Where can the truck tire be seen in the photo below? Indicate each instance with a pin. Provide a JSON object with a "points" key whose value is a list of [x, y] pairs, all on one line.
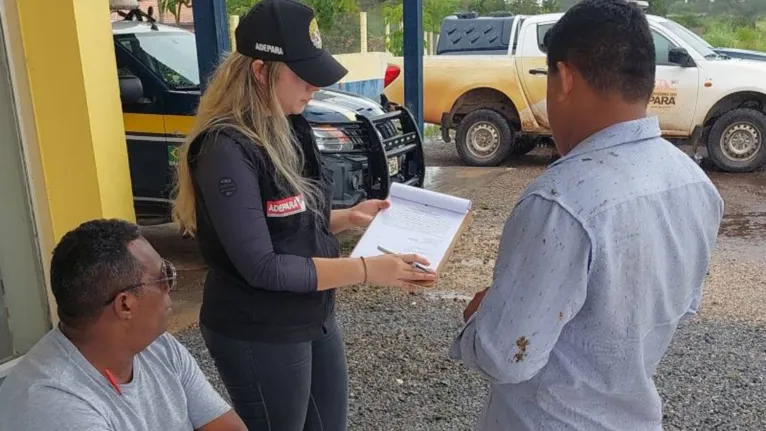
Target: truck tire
{"points": [[737, 141], [484, 138]]}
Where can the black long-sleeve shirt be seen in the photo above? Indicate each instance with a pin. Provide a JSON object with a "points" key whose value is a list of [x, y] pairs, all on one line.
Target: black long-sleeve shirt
{"points": [[259, 240]]}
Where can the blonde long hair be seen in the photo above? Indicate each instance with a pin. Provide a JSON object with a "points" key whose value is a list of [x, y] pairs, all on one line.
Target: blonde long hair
{"points": [[236, 99]]}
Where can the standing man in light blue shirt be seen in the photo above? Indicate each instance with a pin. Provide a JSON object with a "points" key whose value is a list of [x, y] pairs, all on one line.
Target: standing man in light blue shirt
{"points": [[603, 254]]}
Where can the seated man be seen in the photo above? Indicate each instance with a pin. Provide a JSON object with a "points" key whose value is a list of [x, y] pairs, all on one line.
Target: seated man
{"points": [[110, 365]]}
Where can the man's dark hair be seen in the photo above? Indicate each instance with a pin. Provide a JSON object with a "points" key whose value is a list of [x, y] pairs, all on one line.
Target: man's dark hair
{"points": [[609, 42], [89, 265]]}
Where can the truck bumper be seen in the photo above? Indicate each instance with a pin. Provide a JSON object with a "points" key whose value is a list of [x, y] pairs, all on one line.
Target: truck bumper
{"points": [[395, 155]]}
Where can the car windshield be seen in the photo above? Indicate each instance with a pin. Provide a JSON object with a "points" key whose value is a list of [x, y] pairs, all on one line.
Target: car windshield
{"points": [[172, 55], [696, 42]]}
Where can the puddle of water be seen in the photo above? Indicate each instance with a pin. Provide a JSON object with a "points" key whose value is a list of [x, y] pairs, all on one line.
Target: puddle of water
{"points": [[747, 225], [756, 180], [460, 180], [433, 173]]}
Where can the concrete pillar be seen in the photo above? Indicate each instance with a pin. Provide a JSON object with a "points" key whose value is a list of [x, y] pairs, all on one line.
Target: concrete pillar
{"points": [[413, 59], [431, 38], [233, 23], [72, 80], [363, 31], [211, 24], [388, 36]]}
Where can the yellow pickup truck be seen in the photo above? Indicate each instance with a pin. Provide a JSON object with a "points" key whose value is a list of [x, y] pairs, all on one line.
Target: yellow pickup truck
{"points": [[495, 102]]}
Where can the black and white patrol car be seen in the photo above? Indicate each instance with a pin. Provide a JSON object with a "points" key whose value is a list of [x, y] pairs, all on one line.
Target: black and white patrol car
{"points": [[367, 145]]}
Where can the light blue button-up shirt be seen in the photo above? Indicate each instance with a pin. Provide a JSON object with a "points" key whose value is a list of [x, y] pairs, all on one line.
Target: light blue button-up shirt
{"points": [[600, 259]]}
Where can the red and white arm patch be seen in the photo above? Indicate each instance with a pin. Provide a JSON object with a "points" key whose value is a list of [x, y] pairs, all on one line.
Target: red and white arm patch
{"points": [[286, 207]]}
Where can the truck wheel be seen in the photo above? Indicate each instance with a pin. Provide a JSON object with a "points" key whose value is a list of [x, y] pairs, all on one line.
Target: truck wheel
{"points": [[737, 142], [484, 138], [525, 144]]}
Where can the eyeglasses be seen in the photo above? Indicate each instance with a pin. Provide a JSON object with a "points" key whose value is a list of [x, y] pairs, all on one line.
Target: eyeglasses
{"points": [[169, 279]]}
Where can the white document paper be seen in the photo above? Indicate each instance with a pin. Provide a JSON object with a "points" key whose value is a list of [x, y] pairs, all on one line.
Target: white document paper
{"points": [[418, 221]]}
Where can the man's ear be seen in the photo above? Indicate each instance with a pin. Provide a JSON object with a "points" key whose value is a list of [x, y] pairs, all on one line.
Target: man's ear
{"points": [[259, 71], [564, 80], [125, 305]]}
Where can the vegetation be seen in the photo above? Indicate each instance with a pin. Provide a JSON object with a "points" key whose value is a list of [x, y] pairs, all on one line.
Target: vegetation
{"points": [[338, 21], [174, 7], [723, 23], [727, 31]]}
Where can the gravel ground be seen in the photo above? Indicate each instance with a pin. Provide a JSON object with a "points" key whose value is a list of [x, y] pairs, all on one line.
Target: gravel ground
{"points": [[712, 377]]}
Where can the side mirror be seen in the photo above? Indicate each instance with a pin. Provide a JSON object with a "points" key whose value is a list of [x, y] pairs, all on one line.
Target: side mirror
{"points": [[681, 57], [131, 89]]}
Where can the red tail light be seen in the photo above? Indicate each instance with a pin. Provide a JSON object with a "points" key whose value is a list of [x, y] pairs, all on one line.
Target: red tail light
{"points": [[392, 72]]}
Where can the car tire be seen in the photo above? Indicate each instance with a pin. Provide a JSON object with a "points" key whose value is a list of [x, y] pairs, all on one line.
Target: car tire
{"points": [[484, 138], [737, 141], [525, 144]]}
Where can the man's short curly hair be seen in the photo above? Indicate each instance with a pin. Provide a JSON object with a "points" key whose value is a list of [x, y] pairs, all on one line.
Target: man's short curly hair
{"points": [[89, 265], [610, 43]]}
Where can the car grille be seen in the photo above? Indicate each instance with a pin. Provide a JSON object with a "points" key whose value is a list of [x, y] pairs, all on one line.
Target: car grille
{"points": [[358, 133]]}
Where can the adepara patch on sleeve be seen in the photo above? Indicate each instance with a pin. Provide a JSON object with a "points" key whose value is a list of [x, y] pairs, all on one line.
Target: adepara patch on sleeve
{"points": [[227, 187], [285, 207]]}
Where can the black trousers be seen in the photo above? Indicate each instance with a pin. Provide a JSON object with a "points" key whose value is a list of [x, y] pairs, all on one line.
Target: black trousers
{"points": [[284, 387]]}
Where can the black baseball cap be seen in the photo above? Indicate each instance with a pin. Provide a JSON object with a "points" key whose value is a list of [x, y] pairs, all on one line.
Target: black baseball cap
{"points": [[287, 31]]}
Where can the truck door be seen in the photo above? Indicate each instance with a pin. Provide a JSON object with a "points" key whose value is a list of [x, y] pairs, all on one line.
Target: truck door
{"points": [[674, 99], [533, 72], [147, 138]]}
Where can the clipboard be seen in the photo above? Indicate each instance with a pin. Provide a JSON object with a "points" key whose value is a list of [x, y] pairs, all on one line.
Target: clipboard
{"points": [[418, 221]]}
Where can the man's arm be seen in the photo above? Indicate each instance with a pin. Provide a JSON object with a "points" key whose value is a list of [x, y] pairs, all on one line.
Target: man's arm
{"points": [[540, 284], [207, 409], [229, 421]]}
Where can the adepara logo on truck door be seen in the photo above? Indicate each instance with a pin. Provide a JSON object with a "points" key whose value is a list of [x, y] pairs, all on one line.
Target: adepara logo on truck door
{"points": [[665, 94]]}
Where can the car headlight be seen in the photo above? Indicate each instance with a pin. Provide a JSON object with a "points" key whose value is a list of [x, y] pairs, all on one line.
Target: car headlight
{"points": [[332, 139]]}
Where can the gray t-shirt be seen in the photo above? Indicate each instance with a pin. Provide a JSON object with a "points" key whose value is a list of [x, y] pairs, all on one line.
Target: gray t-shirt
{"points": [[55, 388]]}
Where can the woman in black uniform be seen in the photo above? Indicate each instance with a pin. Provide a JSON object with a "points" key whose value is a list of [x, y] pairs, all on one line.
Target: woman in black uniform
{"points": [[253, 191]]}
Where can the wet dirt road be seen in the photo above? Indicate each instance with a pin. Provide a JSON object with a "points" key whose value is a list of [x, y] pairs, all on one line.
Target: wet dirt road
{"points": [[742, 240], [739, 258]]}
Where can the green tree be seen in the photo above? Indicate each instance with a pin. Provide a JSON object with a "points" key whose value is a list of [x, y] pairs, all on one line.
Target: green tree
{"points": [[338, 20], [657, 7], [525, 7], [239, 7], [434, 12], [174, 7], [550, 6], [326, 10]]}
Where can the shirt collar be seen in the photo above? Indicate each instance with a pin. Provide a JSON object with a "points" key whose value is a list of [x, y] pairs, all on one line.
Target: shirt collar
{"points": [[616, 134]]}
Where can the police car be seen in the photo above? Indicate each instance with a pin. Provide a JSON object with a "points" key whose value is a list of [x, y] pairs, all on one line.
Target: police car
{"points": [[366, 145]]}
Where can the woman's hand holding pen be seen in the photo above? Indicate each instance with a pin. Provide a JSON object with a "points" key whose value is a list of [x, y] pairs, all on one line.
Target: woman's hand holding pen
{"points": [[396, 270]]}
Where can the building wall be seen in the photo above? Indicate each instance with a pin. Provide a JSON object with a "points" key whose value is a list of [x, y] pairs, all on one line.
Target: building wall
{"points": [[70, 127], [366, 72]]}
